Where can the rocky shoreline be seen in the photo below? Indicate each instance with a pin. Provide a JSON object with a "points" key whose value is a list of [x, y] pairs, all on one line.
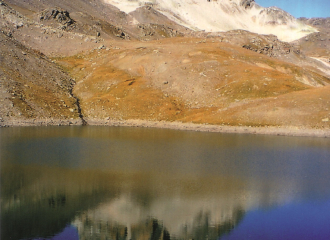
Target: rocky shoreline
{"points": [[39, 122], [269, 130]]}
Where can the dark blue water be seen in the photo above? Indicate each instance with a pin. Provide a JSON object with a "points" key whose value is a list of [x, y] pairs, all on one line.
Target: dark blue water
{"points": [[68, 233], [138, 183], [303, 220]]}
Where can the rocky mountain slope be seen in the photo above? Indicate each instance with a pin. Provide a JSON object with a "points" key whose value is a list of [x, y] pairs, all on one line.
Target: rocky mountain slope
{"points": [[32, 87], [224, 15], [317, 45], [151, 61]]}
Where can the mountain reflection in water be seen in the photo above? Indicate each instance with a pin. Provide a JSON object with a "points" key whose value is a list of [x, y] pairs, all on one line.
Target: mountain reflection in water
{"points": [[133, 183]]}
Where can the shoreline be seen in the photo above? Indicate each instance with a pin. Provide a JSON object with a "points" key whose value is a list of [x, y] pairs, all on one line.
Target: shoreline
{"points": [[270, 130]]}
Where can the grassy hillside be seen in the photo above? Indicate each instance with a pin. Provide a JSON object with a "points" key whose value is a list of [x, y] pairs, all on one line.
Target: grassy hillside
{"points": [[197, 80]]}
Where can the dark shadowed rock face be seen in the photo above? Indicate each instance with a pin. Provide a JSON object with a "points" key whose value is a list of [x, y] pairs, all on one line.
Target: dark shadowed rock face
{"points": [[247, 3], [59, 15]]}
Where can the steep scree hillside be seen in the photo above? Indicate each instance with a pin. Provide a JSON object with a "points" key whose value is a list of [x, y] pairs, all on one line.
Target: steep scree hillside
{"points": [[33, 88]]}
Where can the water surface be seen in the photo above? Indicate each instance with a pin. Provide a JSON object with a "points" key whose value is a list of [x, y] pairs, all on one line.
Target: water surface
{"points": [[139, 183]]}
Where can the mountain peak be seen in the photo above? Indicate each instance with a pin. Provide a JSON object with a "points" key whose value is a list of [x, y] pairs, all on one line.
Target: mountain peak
{"points": [[225, 15]]}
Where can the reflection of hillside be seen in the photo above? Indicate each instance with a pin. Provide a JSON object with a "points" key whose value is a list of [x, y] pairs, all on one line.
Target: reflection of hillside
{"points": [[180, 214], [40, 201], [42, 218], [155, 229]]}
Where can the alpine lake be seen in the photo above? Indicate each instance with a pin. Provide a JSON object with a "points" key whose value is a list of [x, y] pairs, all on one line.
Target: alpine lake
{"points": [[121, 183]]}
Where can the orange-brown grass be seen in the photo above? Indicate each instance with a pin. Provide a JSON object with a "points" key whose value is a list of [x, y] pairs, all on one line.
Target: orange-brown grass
{"points": [[191, 80], [38, 101]]}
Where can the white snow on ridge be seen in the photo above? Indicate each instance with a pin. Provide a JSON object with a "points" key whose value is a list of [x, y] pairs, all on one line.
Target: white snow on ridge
{"points": [[126, 6], [224, 15]]}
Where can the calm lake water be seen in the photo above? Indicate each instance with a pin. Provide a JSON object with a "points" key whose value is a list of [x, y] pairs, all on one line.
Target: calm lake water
{"points": [[136, 183]]}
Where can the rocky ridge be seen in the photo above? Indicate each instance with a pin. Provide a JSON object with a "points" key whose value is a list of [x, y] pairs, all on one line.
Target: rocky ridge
{"points": [[225, 15]]}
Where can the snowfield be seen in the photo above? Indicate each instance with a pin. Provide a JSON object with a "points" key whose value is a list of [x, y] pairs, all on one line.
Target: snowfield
{"points": [[224, 15]]}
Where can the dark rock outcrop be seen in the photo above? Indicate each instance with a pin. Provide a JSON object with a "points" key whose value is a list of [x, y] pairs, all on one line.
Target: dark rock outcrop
{"points": [[247, 3], [59, 15], [268, 45]]}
